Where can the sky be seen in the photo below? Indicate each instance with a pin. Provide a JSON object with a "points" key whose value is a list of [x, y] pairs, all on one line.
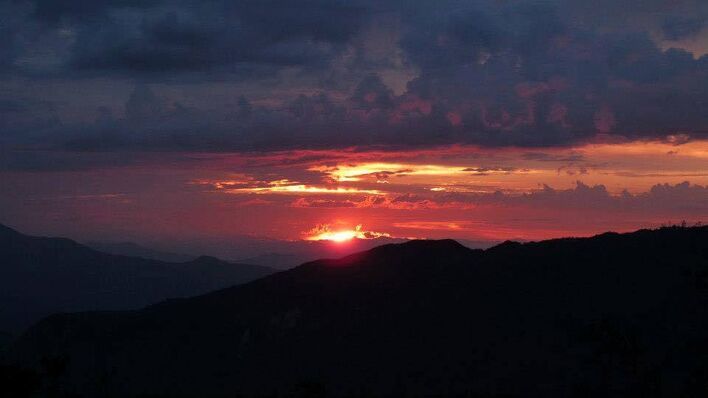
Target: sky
{"points": [[234, 121]]}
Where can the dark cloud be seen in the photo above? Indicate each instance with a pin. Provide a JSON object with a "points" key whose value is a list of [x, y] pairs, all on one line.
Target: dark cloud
{"points": [[680, 27], [660, 199], [547, 157], [135, 37], [372, 94], [515, 73], [520, 74], [489, 170], [55, 12], [323, 203], [23, 120]]}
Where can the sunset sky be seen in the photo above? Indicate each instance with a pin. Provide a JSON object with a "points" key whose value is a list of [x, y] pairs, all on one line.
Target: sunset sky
{"points": [[224, 121]]}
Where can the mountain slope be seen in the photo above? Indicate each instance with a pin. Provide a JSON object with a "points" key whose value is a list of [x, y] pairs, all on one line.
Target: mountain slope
{"points": [[612, 315], [40, 276], [134, 250]]}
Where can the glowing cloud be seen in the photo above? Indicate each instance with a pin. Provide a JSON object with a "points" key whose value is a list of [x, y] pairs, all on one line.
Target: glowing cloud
{"points": [[282, 186], [431, 225], [381, 171], [301, 188], [325, 232]]}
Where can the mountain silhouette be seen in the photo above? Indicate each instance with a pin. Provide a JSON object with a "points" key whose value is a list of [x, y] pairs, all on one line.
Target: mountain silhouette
{"points": [[41, 276], [135, 250], [613, 315]]}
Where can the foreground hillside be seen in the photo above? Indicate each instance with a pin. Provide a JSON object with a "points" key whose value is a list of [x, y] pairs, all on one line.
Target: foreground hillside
{"points": [[613, 315], [41, 276]]}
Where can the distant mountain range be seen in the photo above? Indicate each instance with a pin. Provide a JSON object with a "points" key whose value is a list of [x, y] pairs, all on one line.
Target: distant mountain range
{"points": [[298, 252], [273, 253], [41, 276], [276, 260], [135, 250], [615, 315], [282, 254]]}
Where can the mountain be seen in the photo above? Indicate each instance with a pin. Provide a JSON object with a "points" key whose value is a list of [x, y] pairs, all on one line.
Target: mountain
{"points": [[275, 260], [134, 250], [615, 315], [41, 276], [273, 253], [307, 250]]}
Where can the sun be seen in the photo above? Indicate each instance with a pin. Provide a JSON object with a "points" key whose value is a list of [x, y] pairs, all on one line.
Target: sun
{"points": [[338, 236], [326, 233]]}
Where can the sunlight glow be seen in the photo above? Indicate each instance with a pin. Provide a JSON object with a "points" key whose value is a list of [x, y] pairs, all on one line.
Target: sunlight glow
{"points": [[324, 232], [300, 188], [380, 171]]}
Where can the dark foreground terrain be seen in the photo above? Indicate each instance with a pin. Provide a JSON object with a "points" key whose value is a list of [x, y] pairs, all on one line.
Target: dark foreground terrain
{"points": [[613, 315], [41, 276]]}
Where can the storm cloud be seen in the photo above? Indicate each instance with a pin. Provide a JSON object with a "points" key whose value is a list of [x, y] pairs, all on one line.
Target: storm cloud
{"points": [[318, 73]]}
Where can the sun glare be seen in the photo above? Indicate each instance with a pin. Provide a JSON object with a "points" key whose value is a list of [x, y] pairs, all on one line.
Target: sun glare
{"points": [[339, 237], [326, 233]]}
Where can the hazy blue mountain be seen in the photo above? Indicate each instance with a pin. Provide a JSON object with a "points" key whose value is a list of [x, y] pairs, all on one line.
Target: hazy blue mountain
{"points": [[41, 276], [275, 260], [134, 250], [309, 250]]}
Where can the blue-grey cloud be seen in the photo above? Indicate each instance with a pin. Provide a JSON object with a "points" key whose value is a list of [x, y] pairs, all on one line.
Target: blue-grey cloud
{"points": [[523, 73], [680, 27], [134, 37]]}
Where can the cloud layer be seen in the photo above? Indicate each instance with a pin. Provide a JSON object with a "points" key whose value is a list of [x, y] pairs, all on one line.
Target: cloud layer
{"points": [[319, 73]]}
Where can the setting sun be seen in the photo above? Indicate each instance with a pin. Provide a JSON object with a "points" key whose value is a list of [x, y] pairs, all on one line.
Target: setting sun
{"points": [[339, 237], [325, 232]]}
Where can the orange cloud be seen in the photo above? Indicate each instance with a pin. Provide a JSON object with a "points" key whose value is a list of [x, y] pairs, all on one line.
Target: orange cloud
{"points": [[399, 202], [301, 188], [381, 170], [427, 225], [326, 232], [281, 186]]}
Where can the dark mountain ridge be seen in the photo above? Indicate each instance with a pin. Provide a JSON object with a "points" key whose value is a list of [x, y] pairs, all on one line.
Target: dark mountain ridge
{"points": [[135, 250], [40, 276], [612, 315]]}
